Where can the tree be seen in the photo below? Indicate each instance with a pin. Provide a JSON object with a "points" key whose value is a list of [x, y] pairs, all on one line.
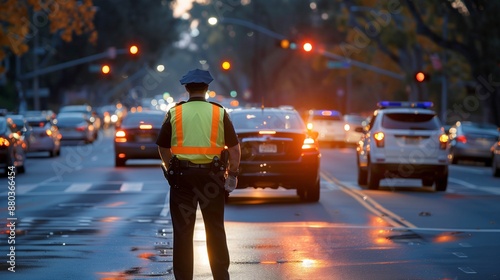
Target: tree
{"points": [[473, 28], [149, 24], [63, 17]]}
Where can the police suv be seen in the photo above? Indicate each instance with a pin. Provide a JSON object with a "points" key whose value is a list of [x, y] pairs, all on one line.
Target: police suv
{"points": [[403, 140]]}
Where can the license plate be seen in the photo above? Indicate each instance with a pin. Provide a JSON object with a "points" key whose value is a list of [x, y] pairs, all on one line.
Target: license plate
{"points": [[412, 140], [143, 138], [483, 142], [268, 148]]}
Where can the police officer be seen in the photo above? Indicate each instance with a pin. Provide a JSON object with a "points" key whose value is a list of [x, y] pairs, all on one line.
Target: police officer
{"points": [[190, 143]]}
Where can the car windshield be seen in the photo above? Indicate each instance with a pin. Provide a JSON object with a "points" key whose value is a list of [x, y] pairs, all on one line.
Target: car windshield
{"points": [[18, 122], [266, 120], [81, 109], [69, 121], [421, 121], [3, 125], [134, 120], [354, 119], [38, 123]]}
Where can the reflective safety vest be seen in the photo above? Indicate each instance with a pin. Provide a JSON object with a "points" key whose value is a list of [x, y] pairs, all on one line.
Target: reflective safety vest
{"points": [[197, 131]]}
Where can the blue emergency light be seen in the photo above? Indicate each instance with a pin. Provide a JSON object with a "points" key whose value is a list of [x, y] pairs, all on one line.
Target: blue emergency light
{"points": [[326, 113], [405, 104]]}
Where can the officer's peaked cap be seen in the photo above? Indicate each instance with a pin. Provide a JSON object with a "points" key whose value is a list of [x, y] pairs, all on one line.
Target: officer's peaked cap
{"points": [[197, 76]]}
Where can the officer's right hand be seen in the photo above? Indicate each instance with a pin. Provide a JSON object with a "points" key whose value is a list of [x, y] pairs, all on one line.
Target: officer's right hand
{"points": [[231, 183]]}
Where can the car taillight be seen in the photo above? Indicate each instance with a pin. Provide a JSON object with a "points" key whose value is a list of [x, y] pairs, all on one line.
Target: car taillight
{"points": [[80, 128], [379, 139], [4, 142], [309, 143], [461, 139], [120, 136], [443, 141]]}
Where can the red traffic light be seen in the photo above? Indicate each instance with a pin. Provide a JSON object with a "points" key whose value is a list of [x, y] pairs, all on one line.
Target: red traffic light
{"points": [[133, 49], [105, 69], [421, 76], [307, 47]]}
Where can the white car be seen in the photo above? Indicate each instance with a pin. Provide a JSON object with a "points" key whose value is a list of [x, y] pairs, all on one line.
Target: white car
{"points": [[403, 140], [329, 124]]}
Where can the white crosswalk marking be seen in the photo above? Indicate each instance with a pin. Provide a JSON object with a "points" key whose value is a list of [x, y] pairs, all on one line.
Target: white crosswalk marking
{"points": [[78, 187], [131, 187], [25, 188]]}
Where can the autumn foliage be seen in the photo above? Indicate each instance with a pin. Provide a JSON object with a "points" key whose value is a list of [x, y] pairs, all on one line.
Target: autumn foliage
{"points": [[22, 19]]}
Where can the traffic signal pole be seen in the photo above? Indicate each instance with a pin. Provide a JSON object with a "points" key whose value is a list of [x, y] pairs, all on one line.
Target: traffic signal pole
{"points": [[110, 53], [64, 65], [325, 53]]}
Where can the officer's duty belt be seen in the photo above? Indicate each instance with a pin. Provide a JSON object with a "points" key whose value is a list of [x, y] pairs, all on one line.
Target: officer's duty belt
{"points": [[186, 163]]}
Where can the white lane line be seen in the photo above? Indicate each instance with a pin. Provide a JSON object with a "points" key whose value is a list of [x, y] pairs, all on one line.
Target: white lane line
{"points": [[467, 270], [22, 189], [474, 187], [460, 255], [131, 187], [78, 187], [470, 170], [463, 183]]}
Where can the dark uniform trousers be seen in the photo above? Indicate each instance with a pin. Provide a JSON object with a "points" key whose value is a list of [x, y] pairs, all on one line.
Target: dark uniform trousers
{"points": [[197, 187]]}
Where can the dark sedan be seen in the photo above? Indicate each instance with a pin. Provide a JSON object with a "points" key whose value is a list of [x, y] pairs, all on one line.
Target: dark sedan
{"points": [[12, 148], [277, 150], [20, 125], [135, 137], [472, 141]]}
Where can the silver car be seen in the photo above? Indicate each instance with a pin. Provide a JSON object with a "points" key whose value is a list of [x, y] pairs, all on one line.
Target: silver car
{"points": [[472, 141], [46, 136], [75, 127]]}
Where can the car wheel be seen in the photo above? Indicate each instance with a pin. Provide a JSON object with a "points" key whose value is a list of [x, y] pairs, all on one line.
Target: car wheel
{"points": [[495, 168], [373, 178], [52, 153], [442, 181], [119, 161], [21, 169], [488, 162], [427, 182], [311, 193]]}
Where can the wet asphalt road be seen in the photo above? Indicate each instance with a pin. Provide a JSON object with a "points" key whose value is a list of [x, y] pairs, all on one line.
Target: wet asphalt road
{"points": [[79, 217]]}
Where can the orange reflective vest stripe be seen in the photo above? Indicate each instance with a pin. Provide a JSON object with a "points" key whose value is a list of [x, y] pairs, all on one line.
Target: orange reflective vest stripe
{"points": [[197, 131]]}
